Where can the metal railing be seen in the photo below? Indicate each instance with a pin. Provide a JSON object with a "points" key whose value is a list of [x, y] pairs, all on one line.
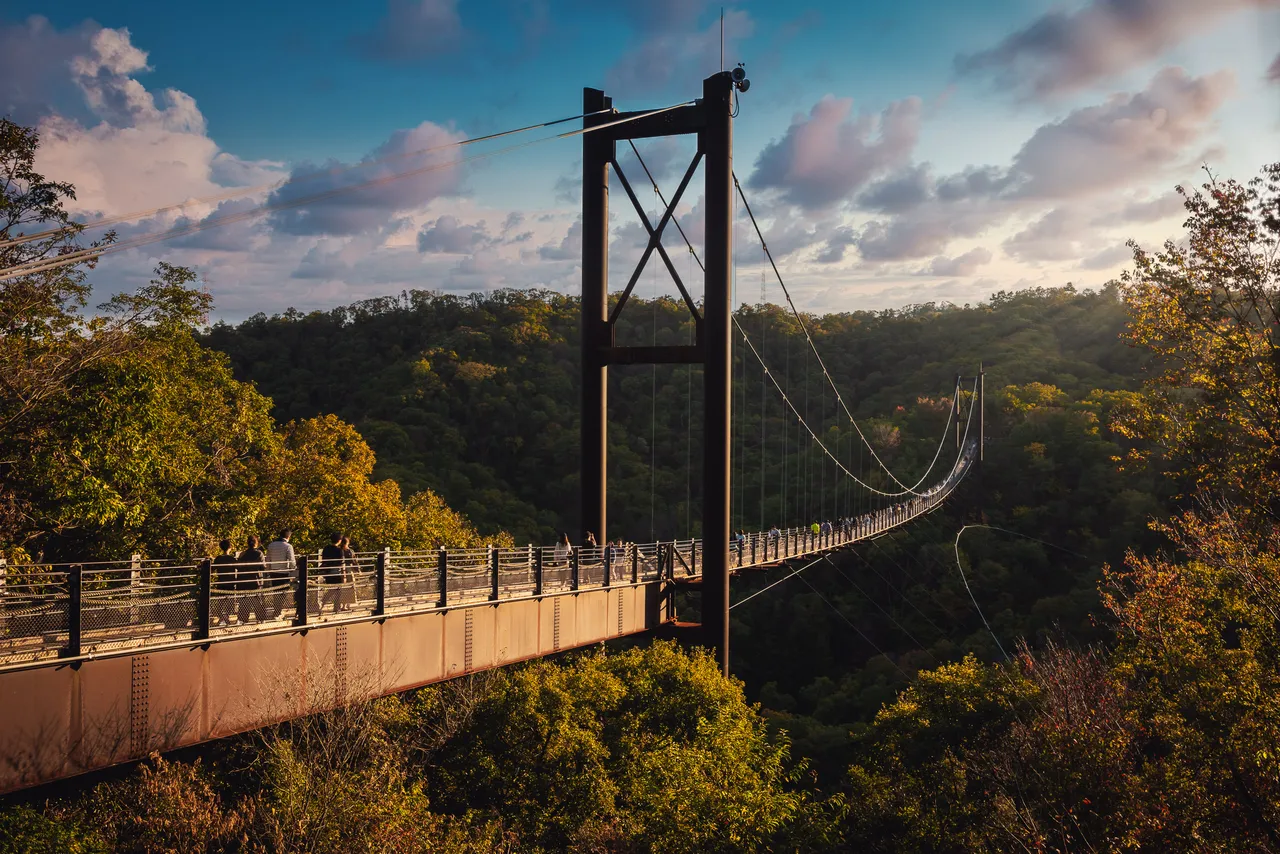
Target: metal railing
{"points": [[50, 612]]}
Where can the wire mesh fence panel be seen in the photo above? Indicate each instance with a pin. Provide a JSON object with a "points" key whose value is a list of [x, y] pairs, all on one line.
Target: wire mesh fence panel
{"points": [[128, 606], [468, 583], [362, 584], [33, 613], [470, 575], [647, 566], [237, 600], [590, 566], [557, 569], [515, 572], [413, 580], [341, 588]]}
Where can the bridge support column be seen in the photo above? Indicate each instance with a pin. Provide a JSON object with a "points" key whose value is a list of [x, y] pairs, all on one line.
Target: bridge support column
{"points": [[597, 153], [716, 142]]}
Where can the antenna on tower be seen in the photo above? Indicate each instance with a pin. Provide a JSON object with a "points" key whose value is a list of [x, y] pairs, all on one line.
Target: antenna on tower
{"points": [[722, 38]]}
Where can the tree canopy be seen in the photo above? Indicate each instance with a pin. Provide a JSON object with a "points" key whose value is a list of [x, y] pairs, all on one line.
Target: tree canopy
{"points": [[121, 433]]}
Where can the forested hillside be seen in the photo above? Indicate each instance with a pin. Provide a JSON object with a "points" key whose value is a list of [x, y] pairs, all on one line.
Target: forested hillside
{"points": [[476, 397]]}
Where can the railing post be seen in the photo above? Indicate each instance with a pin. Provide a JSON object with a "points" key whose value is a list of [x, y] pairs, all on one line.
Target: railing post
{"points": [[635, 563], [693, 557], [380, 583], [573, 568], [494, 570], [4, 610], [135, 583], [300, 594], [537, 571], [608, 564], [75, 580], [204, 600], [670, 574], [442, 566], [753, 551]]}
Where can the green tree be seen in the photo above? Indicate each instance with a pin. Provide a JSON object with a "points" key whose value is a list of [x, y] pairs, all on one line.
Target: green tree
{"points": [[1208, 313], [650, 748]]}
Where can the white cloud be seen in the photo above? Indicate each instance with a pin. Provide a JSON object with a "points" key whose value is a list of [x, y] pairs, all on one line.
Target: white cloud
{"points": [[1061, 51], [961, 265], [1126, 139], [139, 154], [403, 174], [825, 157]]}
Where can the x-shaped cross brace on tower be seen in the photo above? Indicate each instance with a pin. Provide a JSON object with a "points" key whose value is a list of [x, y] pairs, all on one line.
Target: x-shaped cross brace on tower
{"points": [[655, 241]]}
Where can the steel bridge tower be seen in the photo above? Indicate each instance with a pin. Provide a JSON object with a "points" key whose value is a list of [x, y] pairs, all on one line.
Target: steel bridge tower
{"points": [[710, 119]]}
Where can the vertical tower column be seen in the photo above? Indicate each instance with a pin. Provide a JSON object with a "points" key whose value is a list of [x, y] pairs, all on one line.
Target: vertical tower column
{"points": [[597, 152], [716, 141]]}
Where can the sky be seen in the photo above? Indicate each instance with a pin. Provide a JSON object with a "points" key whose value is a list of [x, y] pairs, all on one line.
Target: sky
{"points": [[895, 153]]}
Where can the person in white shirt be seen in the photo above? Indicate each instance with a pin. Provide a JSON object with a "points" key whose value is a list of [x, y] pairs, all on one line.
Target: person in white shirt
{"points": [[281, 566]]}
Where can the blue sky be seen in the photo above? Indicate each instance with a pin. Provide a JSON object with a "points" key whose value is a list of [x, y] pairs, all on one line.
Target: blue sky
{"points": [[898, 152]]}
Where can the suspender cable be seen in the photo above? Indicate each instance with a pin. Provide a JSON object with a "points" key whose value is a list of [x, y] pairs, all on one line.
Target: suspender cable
{"points": [[763, 421], [653, 414], [786, 437], [805, 461], [688, 439], [822, 463], [736, 408], [805, 329], [880, 494]]}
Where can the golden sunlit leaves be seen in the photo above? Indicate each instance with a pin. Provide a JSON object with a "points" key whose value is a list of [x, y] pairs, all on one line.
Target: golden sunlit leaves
{"points": [[1207, 311]]}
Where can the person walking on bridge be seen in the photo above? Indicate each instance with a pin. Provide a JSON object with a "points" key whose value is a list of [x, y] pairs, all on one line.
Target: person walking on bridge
{"points": [[351, 568], [332, 559], [282, 563], [224, 582], [250, 571], [563, 547]]}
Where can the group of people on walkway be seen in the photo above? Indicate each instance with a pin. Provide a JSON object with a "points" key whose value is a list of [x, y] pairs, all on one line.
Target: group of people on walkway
{"points": [[256, 582], [613, 550]]}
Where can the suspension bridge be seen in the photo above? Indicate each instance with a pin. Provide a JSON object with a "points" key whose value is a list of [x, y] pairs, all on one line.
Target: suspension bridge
{"points": [[104, 661]]}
